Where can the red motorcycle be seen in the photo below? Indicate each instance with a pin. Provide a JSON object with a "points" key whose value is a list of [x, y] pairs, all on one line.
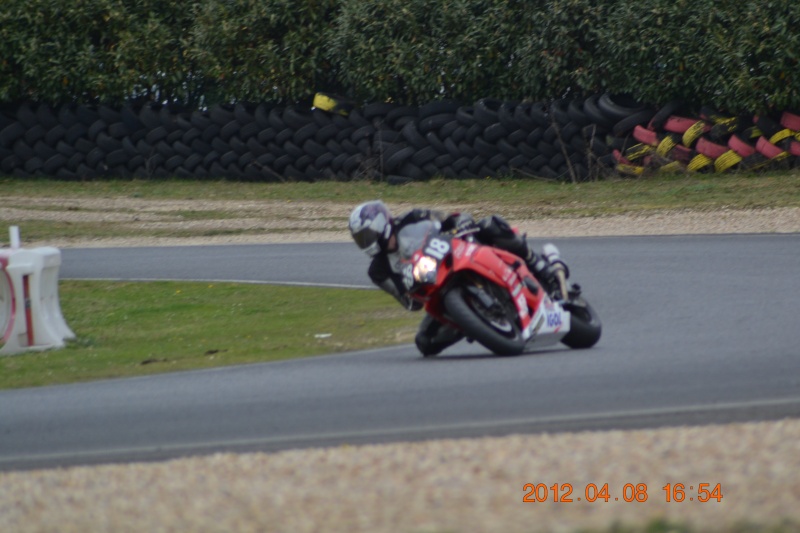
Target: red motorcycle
{"points": [[490, 295]]}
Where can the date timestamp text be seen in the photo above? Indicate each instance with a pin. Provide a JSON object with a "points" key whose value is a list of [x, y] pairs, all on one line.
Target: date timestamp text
{"points": [[630, 492]]}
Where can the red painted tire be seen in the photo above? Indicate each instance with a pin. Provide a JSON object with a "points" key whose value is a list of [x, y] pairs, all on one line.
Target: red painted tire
{"points": [[619, 158], [676, 124], [645, 135], [682, 153], [712, 150], [768, 149], [791, 121], [741, 147]]}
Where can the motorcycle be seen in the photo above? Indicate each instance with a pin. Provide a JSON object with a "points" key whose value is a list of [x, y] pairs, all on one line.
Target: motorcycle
{"points": [[490, 295]]}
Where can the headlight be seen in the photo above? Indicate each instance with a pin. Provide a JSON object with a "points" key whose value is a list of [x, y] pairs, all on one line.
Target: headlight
{"points": [[425, 270]]}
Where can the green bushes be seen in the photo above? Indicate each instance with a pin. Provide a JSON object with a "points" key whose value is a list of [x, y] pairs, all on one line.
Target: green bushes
{"points": [[415, 51], [735, 56], [94, 50], [254, 50]]}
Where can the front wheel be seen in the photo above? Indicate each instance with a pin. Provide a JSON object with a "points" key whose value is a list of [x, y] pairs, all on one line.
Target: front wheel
{"points": [[585, 327], [492, 326]]}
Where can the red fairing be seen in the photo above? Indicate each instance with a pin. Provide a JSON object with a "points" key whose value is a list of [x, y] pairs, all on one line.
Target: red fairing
{"points": [[495, 265]]}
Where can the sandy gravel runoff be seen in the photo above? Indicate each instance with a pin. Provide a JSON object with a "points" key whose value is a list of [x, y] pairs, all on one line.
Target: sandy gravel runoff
{"points": [[458, 486], [182, 222]]}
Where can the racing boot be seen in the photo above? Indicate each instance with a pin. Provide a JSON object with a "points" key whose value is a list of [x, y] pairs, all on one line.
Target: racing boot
{"points": [[433, 336], [548, 268]]}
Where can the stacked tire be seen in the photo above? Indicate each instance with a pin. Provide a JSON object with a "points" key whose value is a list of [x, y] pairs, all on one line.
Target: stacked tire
{"points": [[575, 139], [711, 142]]}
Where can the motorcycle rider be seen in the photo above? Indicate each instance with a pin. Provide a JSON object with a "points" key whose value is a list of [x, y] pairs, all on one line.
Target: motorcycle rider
{"points": [[375, 231]]}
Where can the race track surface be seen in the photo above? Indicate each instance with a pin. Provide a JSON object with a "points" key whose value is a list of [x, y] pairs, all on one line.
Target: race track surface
{"points": [[697, 329]]}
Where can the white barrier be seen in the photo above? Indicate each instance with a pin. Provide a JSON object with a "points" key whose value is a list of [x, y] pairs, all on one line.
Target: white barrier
{"points": [[30, 312]]}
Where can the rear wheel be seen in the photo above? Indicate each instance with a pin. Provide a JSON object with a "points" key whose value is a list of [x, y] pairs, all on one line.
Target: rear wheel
{"points": [[491, 320], [585, 327]]}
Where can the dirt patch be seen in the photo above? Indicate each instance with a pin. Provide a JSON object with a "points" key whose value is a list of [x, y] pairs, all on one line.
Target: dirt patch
{"points": [[112, 222]]}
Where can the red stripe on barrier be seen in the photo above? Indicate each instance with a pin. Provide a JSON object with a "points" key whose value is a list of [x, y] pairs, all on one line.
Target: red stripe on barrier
{"points": [[26, 291]]}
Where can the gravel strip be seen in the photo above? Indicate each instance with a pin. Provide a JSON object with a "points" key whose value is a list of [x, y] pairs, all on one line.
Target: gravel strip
{"points": [[317, 225], [464, 485], [470, 485]]}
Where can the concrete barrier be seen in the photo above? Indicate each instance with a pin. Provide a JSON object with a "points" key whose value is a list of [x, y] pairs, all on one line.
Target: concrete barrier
{"points": [[30, 311]]}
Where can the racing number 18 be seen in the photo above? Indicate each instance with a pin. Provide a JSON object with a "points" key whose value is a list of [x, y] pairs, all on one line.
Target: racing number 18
{"points": [[437, 248]]}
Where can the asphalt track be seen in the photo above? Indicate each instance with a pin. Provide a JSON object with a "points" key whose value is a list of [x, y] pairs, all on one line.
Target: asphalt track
{"points": [[697, 329]]}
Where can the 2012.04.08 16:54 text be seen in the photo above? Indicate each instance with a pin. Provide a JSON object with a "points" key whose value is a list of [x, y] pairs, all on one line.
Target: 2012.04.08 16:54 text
{"points": [[630, 492]]}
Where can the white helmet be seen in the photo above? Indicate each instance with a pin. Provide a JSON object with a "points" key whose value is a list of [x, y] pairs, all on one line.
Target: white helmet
{"points": [[371, 226]]}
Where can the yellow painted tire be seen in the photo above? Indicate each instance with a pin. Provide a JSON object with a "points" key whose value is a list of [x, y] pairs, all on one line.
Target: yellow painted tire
{"points": [[666, 145], [674, 166], [727, 161], [630, 170], [699, 162]]}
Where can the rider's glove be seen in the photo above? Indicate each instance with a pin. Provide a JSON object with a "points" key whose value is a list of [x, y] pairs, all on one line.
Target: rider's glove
{"points": [[466, 226], [460, 224]]}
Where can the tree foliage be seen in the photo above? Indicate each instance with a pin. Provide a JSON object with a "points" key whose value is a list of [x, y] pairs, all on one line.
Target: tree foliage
{"points": [[724, 53], [261, 49]]}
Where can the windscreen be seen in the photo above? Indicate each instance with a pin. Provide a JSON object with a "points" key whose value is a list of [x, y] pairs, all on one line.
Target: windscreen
{"points": [[413, 236]]}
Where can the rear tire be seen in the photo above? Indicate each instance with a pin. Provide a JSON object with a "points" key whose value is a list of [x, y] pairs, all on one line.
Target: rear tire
{"points": [[499, 334], [585, 327]]}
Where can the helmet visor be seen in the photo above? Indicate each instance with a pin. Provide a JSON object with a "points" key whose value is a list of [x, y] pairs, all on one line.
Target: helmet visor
{"points": [[367, 240]]}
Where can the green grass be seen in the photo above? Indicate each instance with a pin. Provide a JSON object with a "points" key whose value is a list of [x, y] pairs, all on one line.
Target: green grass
{"points": [[133, 328], [629, 195], [661, 525]]}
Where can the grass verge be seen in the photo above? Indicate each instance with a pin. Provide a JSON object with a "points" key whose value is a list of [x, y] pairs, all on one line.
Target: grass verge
{"points": [[660, 525], [611, 196], [128, 329]]}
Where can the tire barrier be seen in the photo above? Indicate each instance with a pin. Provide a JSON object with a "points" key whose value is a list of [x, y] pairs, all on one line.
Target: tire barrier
{"points": [[711, 142], [30, 313], [576, 139]]}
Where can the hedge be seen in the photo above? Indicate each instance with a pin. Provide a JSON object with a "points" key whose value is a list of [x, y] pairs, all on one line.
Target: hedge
{"points": [[737, 57]]}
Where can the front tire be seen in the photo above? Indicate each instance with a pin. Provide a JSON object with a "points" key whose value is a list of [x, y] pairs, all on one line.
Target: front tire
{"points": [[501, 335], [585, 327]]}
